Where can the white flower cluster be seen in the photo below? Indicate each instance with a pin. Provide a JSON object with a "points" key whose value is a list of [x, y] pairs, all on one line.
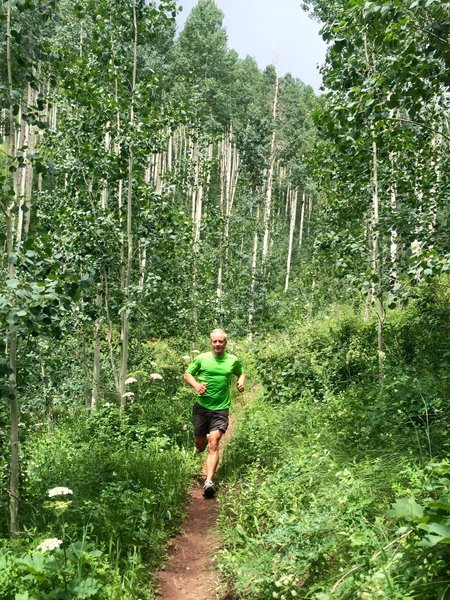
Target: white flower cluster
{"points": [[50, 543], [59, 491], [155, 376], [130, 380]]}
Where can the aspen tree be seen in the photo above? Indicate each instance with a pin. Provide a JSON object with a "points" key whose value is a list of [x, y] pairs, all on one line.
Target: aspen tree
{"points": [[269, 181], [202, 175], [100, 291], [229, 174], [393, 251], [302, 221], [375, 235], [12, 336], [293, 205], [129, 233], [251, 306]]}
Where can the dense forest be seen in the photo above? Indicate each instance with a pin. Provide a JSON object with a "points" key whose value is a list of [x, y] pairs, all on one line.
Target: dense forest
{"points": [[155, 185]]}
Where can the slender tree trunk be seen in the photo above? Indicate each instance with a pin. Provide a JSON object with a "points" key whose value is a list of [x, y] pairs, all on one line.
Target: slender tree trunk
{"points": [[96, 362], [376, 250], [269, 183], [229, 173], [371, 290], [293, 203], [394, 236], [99, 296], [377, 258], [200, 184], [12, 337], [310, 209], [109, 333], [251, 306], [129, 231], [302, 221]]}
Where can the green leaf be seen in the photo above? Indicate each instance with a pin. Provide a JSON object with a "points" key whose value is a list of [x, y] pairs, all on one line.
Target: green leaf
{"points": [[406, 508], [437, 529], [441, 504], [87, 588]]}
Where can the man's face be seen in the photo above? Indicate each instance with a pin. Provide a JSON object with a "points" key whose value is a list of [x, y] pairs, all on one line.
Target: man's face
{"points": [[218, 343]]}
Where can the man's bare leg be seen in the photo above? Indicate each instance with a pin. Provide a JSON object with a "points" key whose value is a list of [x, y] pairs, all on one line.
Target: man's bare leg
{"points": [[201, 441], [213, 454]]}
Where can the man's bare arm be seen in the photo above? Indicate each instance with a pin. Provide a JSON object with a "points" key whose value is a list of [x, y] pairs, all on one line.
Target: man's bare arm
{"points": [[200, 388]]}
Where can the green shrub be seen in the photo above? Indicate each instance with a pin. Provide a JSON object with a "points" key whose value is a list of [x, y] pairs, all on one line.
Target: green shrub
{"points": [[130, 486], [337, 484]]}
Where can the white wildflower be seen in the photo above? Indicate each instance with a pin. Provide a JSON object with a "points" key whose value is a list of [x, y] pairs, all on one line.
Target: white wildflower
{"points": [[130, 380], [416, 247], [128, 395], [49, 544], [155, 376], [195, 351], [59, 491], [108, 405], [186, 357]]}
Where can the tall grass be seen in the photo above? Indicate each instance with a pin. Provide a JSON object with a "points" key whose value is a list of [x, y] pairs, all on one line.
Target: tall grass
{"points": [[337, 487]]}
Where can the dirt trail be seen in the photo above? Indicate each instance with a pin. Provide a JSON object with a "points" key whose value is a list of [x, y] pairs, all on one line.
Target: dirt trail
{"points": [[189, 573]]}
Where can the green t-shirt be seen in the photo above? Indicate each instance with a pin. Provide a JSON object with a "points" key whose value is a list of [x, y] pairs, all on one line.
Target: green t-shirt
{"points": [[216, 373]]}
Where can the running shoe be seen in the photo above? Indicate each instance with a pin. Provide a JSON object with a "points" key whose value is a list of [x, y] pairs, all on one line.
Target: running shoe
{"points": [[209, 489]]}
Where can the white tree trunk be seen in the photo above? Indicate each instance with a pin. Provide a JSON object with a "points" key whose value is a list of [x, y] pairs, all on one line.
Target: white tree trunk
{"points": [[123, 373], [293, 204], [302, 221], [251, 306], [12, 337], [269, 183], [229, 174], [376, 256]]}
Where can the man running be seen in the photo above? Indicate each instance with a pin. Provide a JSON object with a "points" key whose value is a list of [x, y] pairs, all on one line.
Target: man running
{"points": [[210, 374]]}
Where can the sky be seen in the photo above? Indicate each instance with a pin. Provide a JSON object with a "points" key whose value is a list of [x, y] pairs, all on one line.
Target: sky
{"points": [[273, 32]]}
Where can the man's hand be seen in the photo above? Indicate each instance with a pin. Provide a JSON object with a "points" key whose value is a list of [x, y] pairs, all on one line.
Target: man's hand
{"points": [[200, 388], [240, 385]]}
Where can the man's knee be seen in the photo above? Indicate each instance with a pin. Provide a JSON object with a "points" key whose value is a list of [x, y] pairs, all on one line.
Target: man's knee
{"points": [[214, 440]]}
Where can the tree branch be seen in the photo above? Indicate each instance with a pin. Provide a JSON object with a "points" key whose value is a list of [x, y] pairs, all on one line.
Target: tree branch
{"points": [[412, 122]]}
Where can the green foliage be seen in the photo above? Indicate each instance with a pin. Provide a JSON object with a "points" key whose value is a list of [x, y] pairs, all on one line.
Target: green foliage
{"points": [[130, 484], [337, 483], [324, 356], [79, 570]]}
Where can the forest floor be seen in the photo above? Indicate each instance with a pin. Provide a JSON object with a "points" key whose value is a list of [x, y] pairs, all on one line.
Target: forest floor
{"points": [[189, 573]]}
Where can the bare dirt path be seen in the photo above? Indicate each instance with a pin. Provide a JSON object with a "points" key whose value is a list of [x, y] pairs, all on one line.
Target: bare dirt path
{"points": [[189, 573]]}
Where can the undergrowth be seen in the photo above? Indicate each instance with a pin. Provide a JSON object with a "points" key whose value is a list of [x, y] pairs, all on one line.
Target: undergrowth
{"points": [[128, 473], [338, 482]]}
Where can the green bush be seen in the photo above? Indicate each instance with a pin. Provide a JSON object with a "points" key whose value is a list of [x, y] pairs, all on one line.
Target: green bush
{"points": [[337, 483], [130, 484]]}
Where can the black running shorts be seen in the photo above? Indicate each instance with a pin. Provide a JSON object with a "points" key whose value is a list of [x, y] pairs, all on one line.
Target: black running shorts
{"points": [[206, 420]]}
